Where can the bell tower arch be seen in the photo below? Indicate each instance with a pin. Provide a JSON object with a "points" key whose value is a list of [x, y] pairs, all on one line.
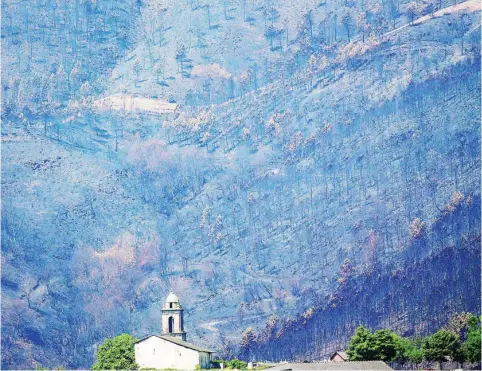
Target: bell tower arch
{"points": [[173, 317]]}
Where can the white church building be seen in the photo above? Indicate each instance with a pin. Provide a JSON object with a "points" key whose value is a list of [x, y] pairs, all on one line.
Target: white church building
{"points": [[170, 349]]}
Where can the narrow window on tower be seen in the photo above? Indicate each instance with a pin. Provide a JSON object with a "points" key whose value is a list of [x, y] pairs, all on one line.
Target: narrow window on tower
{"points": [[171, 324]]}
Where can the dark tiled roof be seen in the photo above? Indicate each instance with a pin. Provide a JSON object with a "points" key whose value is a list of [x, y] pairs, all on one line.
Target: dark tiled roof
{"points": [[178, 342], [342, 366]]}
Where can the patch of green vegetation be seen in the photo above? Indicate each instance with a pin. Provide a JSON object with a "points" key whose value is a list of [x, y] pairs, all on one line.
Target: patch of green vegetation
{"points": [[116, 354], [459, 342], [233, 364]]}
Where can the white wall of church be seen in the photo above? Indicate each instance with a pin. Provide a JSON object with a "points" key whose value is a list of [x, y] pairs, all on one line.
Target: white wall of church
{"points": [[157, 353]]}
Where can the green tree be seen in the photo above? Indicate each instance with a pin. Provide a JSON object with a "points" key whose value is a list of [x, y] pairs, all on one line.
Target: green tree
{"points": [[360, 347], [472, 345], [385, 344], [409, 350], [116, 354], [441, 345]]}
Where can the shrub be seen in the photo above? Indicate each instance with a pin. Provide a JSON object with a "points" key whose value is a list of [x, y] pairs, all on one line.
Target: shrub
{"points": [[116, 354], [230, 364]]}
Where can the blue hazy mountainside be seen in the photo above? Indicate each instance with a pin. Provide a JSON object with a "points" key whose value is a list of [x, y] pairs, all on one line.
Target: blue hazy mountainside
{"points": [[321, 169]]}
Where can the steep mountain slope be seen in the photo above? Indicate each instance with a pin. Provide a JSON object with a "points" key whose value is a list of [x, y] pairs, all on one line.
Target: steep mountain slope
{"points": [[398, 299], [197, 50], [50, 50], [202, 52], [249, 207]]}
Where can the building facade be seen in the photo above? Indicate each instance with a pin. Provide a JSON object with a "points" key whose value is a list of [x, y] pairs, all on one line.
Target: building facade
{"points": [[170, 349]]}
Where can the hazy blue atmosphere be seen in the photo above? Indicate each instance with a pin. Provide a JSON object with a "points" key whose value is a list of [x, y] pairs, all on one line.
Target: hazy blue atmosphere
{"points": [[294, 167]]}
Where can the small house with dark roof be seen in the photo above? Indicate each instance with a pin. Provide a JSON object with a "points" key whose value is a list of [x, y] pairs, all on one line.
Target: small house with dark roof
{"points": [[170, 349], [339, 356]]}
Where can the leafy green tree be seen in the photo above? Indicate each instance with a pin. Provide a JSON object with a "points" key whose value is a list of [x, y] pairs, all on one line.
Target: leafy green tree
{"points": [[409, 350], [360, 347], [441, 345], [385, 345], [472, 345], [116, 354]]}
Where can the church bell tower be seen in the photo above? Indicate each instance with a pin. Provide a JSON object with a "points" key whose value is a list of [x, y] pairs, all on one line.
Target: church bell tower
{"points": [[172, 318]]}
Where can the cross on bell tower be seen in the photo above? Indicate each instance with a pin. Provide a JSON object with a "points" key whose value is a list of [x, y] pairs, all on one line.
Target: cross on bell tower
{"points": [[173, 318]]}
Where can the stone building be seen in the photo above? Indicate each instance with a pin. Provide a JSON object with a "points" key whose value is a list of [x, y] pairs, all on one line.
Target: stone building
{"points": [[170, 349]]}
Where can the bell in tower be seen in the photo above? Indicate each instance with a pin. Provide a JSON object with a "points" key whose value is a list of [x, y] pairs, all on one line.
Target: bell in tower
{"points": [[172, 318]]}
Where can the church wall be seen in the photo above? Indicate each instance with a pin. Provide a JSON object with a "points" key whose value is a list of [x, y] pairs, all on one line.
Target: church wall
{"points": [[205, 360], [166, 355]]}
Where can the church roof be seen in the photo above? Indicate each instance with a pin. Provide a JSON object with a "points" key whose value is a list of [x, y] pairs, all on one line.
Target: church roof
{"points": [[179, 342], [172, 298]]}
